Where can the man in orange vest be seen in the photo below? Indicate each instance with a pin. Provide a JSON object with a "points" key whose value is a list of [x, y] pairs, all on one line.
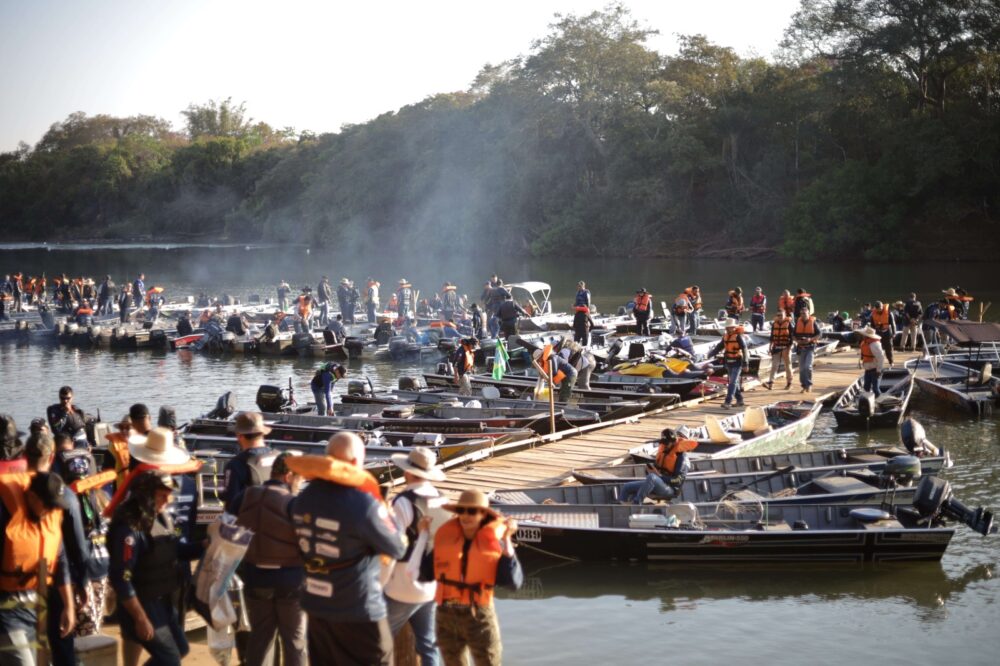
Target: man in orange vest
{"points": [[781, 347], [806, 335], [643, 307], [884, 325], [30, 530], [666, 477], [872, 359], [473, 554], [735, 358]]}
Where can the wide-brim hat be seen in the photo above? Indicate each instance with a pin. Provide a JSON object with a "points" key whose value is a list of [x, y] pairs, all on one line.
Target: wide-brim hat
{"points": [[158, 448], [251, 423], [344, 281], [473, 499], [402, 280], [949, 292], [869, 332], [421, 462], [731, 323]]}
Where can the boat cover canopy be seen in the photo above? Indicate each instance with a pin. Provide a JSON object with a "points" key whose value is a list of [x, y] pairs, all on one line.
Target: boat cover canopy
{"points": [[969, 332]]}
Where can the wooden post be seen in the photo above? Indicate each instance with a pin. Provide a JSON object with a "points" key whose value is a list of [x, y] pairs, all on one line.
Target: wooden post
{"points": [[42, 613]]}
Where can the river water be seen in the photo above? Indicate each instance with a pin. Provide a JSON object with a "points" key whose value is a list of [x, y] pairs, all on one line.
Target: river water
{"points": [[568, 613]]}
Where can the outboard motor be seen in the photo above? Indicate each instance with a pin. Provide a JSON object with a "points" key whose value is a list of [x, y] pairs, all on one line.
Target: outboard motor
{"points": [[357, 387], [271, 398], [225, 406], [48, 321], [383, 332], [446, 368], [934, 497], [914, 438], [354, 346], [615, 349], [866, 405], [636, 350], [410, 384]]}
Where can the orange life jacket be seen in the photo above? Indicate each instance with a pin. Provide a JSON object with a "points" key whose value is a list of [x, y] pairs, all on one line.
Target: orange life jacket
{"points": [[694, 298], [336, 471], [804, 332], [734, 306], [305, 306], [546, 355], [758, 303], [952, 311], [781, 332], [468, 358], [881, 318], [26, 542], [642, 302], [867, 356], [732, 350], [682, 304], [666, 455], [121, 493], [118, 448], [206, 316], [85, 311], [473, 586]]}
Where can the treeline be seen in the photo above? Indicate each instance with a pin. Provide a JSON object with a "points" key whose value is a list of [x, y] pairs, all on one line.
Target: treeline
{"points": [[875, 135]]}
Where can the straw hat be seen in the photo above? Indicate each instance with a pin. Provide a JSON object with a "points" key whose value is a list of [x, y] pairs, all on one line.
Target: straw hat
{"points": [[731, 323], [158, 449], [345, 281], [402, 280], [949, 292], [869, 332], [251, 423], [421, 462], [472, 499]]}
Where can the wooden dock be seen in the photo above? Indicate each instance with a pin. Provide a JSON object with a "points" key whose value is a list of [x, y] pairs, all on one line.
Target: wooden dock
{"points": [[550, 460]]}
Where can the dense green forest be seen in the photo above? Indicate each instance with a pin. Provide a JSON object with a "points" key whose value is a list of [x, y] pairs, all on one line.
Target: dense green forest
{"points": [[875, 134]]}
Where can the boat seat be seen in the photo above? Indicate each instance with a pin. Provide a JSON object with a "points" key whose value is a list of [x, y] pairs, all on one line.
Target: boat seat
{"points": [[491, 392], [986, 375], [841, 484], [754, 419], [716, 434], [886, 400]]}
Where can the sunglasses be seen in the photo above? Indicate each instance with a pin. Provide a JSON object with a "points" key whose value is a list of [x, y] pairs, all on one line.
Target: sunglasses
{"points": [[462, 511]]}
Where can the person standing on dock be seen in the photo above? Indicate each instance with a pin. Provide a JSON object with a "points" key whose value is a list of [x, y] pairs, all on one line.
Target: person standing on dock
{"points": [[643, 308], [284, 289], [781, 348], [758, 309], [806, 335], [138, 291], [409, 600], [682, 309], [583, 323], [124, 304], [884, 325], [372, 300], [913, 314], [272, 569], [104, 292], [324, 294], [343, 528], [464, 364], [473, 554], [736, 358], [872, 359], [803, 302]]}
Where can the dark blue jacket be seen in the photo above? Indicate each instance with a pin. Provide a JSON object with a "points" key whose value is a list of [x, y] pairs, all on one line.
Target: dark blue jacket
{"points": [[342, 531], [238, 478]]}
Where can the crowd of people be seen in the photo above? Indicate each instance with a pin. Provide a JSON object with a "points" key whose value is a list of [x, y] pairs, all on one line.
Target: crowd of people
{"points": [[332, 571], [80, 297]]}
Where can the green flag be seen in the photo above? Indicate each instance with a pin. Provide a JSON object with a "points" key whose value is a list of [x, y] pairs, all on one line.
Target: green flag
{"points": [[500, 360]]}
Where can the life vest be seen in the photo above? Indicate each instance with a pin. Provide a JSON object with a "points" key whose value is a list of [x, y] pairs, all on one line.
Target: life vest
{"points": [[881, 318], [642, 302], [801, 301], [118, 448], [546, 355], [581, 308], [466, 359], [189, 467], [805, 331], [26, 542], [206, 316], [694, 298], [758, 303], [305, 306], [666, 455], [682, 304], [265, 511], [867, 356], [781, 333], [952, 311], [155, 573], [336, 471], [16, 465], [734, 306], [732, 350], [473, 583]]}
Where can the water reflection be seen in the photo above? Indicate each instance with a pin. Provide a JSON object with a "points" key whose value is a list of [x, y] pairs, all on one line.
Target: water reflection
{"points": [[925, 585]]}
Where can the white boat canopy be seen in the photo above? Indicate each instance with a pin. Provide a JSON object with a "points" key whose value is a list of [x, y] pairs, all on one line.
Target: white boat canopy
{"points": [[535, 293]]}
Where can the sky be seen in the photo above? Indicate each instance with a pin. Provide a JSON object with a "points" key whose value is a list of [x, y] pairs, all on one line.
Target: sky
{"points": [[308, 64]]}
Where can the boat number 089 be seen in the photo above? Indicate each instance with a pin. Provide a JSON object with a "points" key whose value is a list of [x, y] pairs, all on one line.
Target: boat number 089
{"points": [[529, 534]]}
